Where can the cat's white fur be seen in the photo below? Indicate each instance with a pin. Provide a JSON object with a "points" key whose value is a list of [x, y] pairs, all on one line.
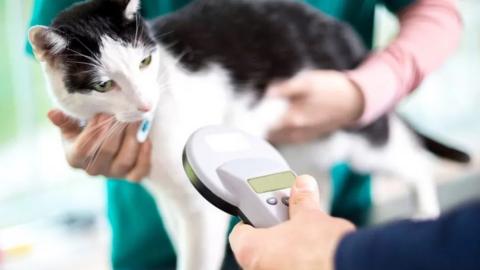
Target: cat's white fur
{"points": [[186, 101]]}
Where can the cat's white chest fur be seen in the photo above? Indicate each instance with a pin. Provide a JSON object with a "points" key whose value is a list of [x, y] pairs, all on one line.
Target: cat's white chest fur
{"points": [[192, 100]]}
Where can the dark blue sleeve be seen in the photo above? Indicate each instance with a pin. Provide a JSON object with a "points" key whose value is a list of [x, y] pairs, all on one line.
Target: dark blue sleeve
{"points": [[451, 242]]}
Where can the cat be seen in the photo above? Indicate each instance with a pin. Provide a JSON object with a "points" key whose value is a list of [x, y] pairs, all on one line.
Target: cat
{"points": [[208, 64]]}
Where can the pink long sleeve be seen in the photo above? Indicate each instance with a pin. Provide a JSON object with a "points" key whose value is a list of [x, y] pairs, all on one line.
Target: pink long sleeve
{"points": [[429, 31]]}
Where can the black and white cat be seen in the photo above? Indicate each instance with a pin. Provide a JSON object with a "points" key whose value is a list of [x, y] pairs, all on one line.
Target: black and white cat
{"points": [[209, 63]]}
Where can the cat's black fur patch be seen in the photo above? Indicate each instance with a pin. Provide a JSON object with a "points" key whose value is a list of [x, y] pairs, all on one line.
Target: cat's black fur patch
{"points": [[83, 25]]}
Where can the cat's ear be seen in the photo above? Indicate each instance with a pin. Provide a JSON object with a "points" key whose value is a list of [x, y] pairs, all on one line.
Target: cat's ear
{"points": [[131, 8], [46, 43]]}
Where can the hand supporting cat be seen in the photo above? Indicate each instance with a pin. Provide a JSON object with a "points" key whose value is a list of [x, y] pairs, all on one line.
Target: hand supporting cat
{"points": [[119, 157], [321, 101]]}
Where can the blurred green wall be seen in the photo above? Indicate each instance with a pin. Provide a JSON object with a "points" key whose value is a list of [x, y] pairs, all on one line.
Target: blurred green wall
{"points": [[17, 69]]}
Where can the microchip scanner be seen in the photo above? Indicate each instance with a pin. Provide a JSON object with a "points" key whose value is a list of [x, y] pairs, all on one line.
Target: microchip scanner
{"points": [[240, 174]]}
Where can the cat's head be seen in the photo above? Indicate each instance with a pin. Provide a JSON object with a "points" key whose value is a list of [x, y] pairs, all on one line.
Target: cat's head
{"points": [[99, 57]]}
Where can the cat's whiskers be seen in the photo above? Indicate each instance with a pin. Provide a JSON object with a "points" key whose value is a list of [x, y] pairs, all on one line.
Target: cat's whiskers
{"points": [[162, 81], [82, 63], [100, 141], [116, 127], [83, 44], [72, 54], [88, 72], [164, 85], [141, 33], [135, 40], [162, 77], [95, 130], [168, 46], [164, 34], [86, 56], [179, 58]]}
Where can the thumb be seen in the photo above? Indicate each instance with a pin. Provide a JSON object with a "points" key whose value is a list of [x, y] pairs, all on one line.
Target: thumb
{"points": [[304, 195], [68, 126]]}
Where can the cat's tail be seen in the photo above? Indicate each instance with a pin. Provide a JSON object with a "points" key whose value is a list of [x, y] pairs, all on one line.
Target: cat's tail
{"points": [[442, 150], [438, 148]]}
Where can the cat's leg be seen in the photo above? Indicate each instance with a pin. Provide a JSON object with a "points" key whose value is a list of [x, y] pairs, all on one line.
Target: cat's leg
{"points": [[414, 168], [405, 159], [202, 238], [197, 229], [424, 190], [166, 208]]}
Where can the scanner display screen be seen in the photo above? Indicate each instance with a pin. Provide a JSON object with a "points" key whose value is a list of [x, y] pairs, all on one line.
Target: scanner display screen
{"points": [[272, 182]]}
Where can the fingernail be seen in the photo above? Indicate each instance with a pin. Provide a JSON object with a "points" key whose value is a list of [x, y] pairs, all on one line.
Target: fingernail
{"points": [[51, 114], [305, 183], [54, 116]]}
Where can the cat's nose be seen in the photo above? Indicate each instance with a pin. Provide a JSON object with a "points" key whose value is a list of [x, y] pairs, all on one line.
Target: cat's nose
{"points": [[144, 108]]}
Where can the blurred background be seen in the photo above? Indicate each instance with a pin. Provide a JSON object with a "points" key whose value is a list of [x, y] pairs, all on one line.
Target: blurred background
{"points": [[53, 217]]}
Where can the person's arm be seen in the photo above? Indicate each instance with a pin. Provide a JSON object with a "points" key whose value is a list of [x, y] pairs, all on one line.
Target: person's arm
{"points": [[452, 242], [323, 101], [311, 239], [429, 32]]}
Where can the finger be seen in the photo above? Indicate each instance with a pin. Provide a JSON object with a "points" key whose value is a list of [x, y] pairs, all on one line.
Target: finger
{"points": [[278, 136], [142, 167], [108, 148], [306, 134], [68, 126], [294, 119], [81, 151], [287, 89], [243, 239], [304, 195], [291, 135], [127, 156]]}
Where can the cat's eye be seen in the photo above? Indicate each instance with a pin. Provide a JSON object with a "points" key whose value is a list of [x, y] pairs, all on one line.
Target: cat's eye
{"points": [[146, 62], [104, 86]]}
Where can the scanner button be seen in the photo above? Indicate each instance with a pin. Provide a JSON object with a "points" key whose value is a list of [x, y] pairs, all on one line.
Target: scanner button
{"points": [[285, 200], [272, 201]]}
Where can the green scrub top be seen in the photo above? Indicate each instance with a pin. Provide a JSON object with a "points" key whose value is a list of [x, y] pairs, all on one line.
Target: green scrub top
{"points": [[139, 240]]}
